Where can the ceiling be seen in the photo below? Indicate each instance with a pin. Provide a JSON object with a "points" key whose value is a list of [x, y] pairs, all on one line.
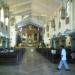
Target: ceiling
{"points": [[34, 8]]}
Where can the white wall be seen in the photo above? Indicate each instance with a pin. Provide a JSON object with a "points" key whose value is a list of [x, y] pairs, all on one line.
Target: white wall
{"points": [[73, 15], [65, 26], [70, 12], [12, 36]]}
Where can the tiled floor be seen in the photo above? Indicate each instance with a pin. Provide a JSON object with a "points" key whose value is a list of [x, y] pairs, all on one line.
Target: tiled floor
{"points": [[34, 64]]}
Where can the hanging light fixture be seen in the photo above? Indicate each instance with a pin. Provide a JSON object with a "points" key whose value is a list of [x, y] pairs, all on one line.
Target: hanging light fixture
{"points": [[6, 9], [12, 20], [6, 13], [63, 10], [0, 4]]}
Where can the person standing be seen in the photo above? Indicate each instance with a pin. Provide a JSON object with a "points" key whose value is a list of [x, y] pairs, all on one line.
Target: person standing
{"points": [[63, 60]]}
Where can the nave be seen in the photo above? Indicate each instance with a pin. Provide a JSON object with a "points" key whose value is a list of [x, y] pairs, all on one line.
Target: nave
{"points": [[34, 63]]}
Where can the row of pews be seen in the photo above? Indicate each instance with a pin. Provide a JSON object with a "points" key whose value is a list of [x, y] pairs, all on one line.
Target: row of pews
{"points": [[11, 55], [46, 52], [54, 58]]}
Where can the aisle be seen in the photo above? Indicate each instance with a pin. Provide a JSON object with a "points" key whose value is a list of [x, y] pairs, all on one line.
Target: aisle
{"points": [[33, 64]]}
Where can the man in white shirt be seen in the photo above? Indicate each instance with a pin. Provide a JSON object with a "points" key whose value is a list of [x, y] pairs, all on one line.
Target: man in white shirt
{"points": [[63, 59]]}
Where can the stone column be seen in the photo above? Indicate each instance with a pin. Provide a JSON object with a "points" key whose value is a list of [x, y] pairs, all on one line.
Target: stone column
{"points": [[73, 15]]}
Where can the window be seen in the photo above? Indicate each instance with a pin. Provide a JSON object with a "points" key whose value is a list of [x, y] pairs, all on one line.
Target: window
{"points": [[2, 15]]}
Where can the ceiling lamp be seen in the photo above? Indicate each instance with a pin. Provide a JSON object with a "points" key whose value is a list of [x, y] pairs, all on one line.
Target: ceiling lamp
{"points": [[6, 11], [63, 13], [63, 9]]}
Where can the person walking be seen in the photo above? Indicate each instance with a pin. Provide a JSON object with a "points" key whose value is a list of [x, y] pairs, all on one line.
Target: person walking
{"points": [[63, 60]]}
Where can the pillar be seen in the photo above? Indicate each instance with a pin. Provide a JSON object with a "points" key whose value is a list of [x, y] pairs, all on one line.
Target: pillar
{"points": [[73, 15]]}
